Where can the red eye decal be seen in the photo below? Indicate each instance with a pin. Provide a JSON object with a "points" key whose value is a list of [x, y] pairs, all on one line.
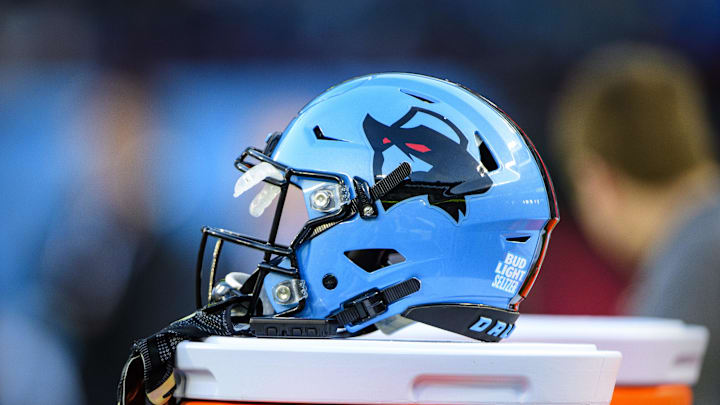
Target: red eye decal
{"points": [[385, 140], [418, 147]]}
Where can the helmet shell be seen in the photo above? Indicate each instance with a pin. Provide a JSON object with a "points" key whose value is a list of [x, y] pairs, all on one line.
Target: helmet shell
{"points": [[480, 254]]}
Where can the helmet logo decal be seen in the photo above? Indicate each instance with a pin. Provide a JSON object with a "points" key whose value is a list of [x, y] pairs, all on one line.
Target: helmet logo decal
{"points": [[453, 174], [509, 273]]}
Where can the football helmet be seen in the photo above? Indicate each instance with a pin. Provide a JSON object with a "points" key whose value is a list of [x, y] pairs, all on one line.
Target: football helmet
{"points": [[424, 200]]}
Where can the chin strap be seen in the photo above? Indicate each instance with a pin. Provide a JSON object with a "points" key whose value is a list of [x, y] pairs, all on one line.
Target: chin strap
{"points": [[391, 181], [148, 376]]}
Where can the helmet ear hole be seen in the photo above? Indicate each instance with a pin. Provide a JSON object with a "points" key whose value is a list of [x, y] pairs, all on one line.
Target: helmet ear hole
{"points": [[371, 260], [330, 281]]}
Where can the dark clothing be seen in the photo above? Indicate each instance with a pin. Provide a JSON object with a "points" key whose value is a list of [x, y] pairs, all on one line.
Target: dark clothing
{"points": [[681, 279], [159, 291]]}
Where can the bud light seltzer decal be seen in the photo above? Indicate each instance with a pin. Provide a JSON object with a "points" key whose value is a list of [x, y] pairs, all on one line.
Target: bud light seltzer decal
{"points": [[509, 273]]}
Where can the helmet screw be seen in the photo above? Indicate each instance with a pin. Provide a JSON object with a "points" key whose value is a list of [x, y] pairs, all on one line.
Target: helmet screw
{"points": [[321, 199], [283, 294], [367, 210], [329, 281]]}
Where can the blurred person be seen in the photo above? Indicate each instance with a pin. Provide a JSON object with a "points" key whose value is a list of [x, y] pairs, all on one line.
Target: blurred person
{"points": [[37, 363], [633, 135], [37, 367], [108, 275], [112, 263]]}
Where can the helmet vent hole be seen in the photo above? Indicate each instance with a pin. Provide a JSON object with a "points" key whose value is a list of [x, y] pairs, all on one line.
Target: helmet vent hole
{"points": [[320, 136], [372, 260], [423, 98], [486, 157], [518, 239]]}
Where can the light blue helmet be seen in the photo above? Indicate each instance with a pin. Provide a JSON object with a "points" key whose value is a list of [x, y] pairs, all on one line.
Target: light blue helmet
{"points": [[424, 200]]}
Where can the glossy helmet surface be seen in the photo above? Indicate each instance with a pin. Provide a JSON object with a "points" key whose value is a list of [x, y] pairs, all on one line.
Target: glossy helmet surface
{"points": [[456, 244]]}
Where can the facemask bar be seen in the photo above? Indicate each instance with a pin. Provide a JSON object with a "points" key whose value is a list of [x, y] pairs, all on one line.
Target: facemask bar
{"points": [[270, 263]]}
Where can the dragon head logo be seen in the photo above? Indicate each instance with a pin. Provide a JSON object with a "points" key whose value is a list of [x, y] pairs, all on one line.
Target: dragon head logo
{"points": [[454, 173]]}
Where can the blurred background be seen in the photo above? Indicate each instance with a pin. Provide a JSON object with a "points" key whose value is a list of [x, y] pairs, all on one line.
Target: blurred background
{"points": [[120, 121]]}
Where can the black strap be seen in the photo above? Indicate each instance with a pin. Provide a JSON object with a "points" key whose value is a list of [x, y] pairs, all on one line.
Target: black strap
{"points": [[375, 302], [390, 181], [364, 202], [399, 291], [148, 375]]}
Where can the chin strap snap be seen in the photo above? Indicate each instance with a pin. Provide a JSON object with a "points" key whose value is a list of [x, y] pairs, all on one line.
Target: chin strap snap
{"points": [[148, 375], [364, 202]]}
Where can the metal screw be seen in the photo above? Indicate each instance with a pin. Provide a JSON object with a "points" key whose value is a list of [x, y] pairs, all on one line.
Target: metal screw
{"points": [[283, 294], [321, 199], [367, 210]]}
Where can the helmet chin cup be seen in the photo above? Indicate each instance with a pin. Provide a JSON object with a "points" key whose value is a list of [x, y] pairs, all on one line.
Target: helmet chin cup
{"points": [[479, 322]]}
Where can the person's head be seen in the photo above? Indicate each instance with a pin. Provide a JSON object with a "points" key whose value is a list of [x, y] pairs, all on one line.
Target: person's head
{"points": [[632, 134]]}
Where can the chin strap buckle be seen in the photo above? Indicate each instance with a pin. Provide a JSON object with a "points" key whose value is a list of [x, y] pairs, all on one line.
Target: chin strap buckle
{"points": [[375, 302], [365, 307]]}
